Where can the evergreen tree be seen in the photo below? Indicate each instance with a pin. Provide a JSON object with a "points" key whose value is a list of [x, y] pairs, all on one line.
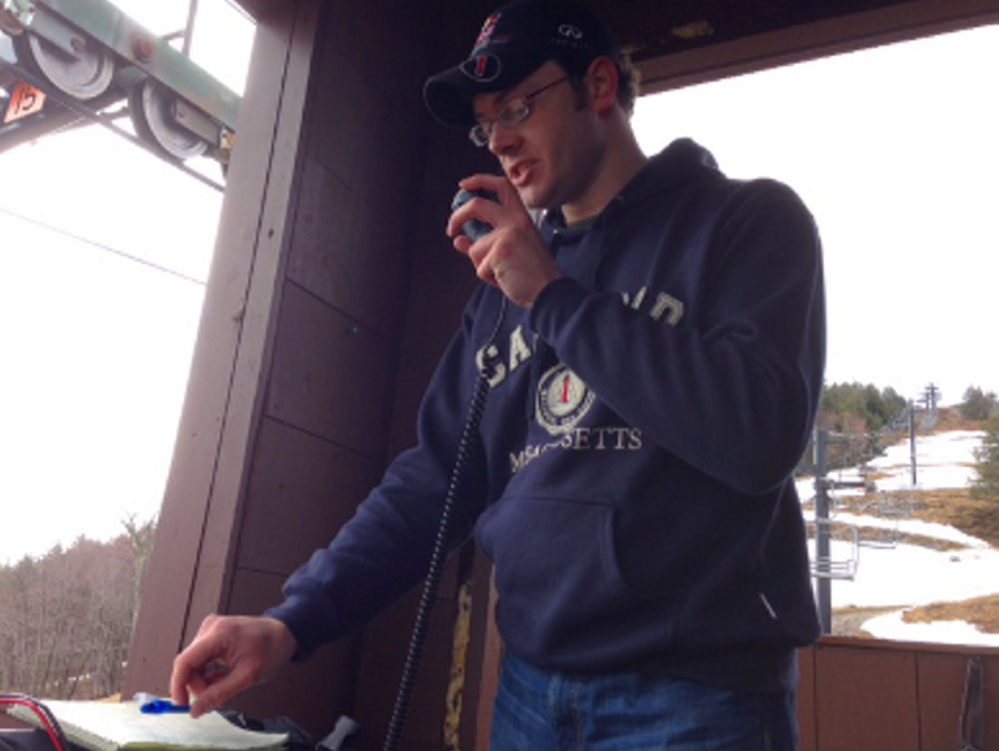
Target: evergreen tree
{"points": [[978, 404], [986, 483], [858, 413]]}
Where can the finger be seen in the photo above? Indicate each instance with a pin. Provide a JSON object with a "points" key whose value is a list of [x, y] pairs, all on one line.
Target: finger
{"points": [[191, 666], [462, 244], [184, 678], [497, 184], [480, 254], [220, 686], [188, 684], [486, 270]]}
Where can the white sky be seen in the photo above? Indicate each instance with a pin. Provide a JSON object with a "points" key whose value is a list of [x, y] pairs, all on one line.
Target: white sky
{"points": [[96, 347], [894, 150]]}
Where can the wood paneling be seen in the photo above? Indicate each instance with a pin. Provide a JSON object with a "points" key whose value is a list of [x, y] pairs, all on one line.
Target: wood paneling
{"points": [[857, 690], [330, 376], [941, 680], [299, 496], [361, 137], [349, 248], [259, 313], [195, 531], [354, 240], [872, 695], [806, 700]]}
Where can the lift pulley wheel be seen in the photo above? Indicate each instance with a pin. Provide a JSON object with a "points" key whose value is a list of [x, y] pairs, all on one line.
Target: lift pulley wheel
{"points": [[153, 109], [84, 75]]}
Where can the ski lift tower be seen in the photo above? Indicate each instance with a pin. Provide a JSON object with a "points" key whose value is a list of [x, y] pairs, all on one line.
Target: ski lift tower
{"points": [[825, 567]]}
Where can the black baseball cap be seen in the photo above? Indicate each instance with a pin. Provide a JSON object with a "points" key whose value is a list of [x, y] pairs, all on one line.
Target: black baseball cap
{"points": [[514, 42]]}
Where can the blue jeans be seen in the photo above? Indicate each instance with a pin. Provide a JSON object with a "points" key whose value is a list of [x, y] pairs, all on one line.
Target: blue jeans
{"points": [[537, 710]]}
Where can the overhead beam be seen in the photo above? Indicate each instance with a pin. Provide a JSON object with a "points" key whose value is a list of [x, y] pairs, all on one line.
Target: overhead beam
{"points": [[902, 22]]}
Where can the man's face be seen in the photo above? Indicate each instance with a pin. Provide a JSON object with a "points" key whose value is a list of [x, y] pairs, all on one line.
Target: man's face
{"points": [[551, 156]]}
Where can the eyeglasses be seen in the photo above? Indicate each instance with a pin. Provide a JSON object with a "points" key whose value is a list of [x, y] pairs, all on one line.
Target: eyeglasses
{"points": [[510, 115]]}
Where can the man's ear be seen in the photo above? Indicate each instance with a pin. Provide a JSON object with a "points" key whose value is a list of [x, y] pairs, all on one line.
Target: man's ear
{"points": [[602, 80]]}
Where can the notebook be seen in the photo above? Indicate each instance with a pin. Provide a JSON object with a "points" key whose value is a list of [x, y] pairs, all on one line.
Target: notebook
{"points": [[119, 726]]}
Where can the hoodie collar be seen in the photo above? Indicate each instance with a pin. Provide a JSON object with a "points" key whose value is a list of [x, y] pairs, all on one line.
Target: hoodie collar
{"points": [[678, 163]]}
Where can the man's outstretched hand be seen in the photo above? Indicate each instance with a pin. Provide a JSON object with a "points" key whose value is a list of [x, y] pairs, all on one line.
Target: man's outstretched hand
{"points": [[229, 655]]}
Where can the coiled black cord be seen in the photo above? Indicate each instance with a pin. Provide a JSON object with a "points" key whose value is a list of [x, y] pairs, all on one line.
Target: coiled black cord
{"points": [[473, 419]]}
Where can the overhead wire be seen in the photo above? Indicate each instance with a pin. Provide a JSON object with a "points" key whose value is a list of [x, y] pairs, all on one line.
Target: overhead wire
{"points": [[242, 11], [104, 247]]}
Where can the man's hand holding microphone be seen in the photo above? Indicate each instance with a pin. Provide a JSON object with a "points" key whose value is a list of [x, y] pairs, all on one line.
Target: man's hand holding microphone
{"points": [[509, 253]]}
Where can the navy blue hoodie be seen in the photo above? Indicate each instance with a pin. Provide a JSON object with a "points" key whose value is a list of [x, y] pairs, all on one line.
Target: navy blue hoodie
{"points": [[632, 477]]}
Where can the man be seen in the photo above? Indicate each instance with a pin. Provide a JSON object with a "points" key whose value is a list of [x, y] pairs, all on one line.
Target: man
{"points": [[654, 351]]}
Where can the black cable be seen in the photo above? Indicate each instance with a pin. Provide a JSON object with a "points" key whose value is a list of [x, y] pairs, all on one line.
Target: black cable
{"points": [[438, 558]]}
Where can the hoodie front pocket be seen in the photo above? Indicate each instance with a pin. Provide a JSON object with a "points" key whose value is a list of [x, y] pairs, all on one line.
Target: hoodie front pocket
{"points": [[554, 562]]}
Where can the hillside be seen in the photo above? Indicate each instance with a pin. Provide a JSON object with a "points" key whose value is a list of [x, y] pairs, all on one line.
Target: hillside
{"points": [[918, 541]]}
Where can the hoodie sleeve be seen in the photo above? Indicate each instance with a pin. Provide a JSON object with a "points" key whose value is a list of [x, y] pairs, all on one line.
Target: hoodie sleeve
{"points": [[385, 549], [734, 392]]}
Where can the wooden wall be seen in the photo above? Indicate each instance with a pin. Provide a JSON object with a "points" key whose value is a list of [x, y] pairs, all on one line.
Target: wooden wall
{"points": [[873, 695], [201, 562], [332, 294]]}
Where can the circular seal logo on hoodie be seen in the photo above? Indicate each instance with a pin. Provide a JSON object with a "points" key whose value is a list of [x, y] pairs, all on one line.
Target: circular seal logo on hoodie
{"points": [[563, 400]]}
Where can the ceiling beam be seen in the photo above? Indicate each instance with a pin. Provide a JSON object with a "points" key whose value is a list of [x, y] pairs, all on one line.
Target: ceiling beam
{"points": [[901, 22]]}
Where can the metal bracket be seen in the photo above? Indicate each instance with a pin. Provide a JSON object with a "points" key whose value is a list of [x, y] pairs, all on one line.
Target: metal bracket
{"points": [[15, 15], [112, 28], [197, 122], [43, 22]]}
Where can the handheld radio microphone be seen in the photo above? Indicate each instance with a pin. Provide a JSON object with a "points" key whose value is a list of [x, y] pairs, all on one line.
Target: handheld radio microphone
{"points": [[473, 228]]}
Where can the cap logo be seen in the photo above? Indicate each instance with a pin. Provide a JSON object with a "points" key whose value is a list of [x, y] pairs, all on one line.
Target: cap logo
{"points": [[570, 32], [487, 29], [482, 67]]}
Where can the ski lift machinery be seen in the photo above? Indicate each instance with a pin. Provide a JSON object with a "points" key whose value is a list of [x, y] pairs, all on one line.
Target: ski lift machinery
{"points": [[86, 54]]}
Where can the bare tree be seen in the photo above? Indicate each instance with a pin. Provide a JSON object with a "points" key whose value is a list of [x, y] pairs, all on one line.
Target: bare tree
{"points": [[66, 618]]}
